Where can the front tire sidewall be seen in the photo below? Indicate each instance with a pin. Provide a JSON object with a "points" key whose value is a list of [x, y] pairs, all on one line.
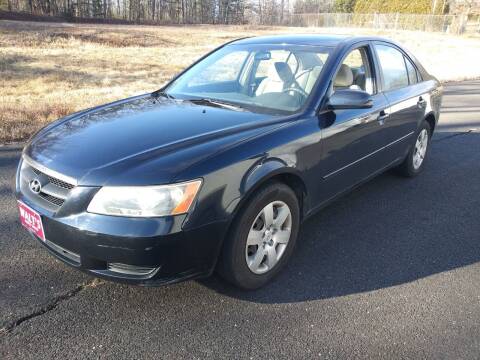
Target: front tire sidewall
{"points": [[233, 263]]}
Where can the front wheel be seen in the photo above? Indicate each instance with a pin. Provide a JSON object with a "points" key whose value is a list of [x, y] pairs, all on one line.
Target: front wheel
{"points": [[416, 157], [262, 237]]}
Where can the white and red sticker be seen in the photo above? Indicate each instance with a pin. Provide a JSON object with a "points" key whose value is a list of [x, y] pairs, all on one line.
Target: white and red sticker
{"points": [[31, 220]]}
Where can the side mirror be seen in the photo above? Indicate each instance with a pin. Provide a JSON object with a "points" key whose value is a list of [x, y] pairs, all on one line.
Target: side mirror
{"points": [[350, 99]]}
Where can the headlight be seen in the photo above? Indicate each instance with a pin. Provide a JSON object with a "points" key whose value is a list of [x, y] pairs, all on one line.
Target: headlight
{"points": [[145, 201]]}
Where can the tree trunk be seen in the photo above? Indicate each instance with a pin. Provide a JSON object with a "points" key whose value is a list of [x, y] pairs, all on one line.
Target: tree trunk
{"points": [[282, 6], [183, 11], [226, 12]]}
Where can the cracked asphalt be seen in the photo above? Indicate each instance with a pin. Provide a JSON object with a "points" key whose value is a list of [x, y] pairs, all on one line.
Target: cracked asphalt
{"points": [[389, 271]]}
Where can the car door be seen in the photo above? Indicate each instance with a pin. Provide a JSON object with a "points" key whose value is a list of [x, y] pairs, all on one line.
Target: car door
{"points": [[351, 138], [399, 79]]}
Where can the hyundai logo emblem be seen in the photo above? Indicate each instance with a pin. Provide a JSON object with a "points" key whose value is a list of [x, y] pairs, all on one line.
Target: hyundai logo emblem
{"points": [[35, 186]]}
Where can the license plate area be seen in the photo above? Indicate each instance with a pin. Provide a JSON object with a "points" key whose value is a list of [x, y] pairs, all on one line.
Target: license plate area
{"points": [[31, 220]]}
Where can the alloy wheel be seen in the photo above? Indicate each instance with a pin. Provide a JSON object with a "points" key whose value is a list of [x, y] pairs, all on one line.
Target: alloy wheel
{"points": [[420, 149], [268, 237]]}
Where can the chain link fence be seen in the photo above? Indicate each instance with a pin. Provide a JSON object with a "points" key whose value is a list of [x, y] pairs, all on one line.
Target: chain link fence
{"points": [[454, 24]]}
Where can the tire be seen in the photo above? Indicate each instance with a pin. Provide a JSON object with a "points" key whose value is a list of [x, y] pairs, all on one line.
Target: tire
{"points": [[410, 167], [243, 265]]}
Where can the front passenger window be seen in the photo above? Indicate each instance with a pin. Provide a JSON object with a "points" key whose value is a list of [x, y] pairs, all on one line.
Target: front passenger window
{"points": [[355, 73]]}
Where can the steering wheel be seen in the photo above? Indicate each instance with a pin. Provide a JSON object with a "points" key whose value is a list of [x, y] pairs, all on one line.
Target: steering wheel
{"points": [[297, 90]]}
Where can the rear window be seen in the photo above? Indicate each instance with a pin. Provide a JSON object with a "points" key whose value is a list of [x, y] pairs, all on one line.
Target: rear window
{"points": [[412, 72], [393, 68]]}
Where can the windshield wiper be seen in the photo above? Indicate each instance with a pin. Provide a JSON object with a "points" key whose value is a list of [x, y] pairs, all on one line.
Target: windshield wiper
{"points": [[216, 103], [158, 93]]}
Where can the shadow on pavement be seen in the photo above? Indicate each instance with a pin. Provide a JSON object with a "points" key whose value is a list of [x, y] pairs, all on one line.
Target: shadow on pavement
{"points": [[388, 232]]}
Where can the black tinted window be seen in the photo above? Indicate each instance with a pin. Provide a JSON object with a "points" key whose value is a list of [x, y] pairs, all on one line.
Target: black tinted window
{"points": [[393, 67], [412, 73]]}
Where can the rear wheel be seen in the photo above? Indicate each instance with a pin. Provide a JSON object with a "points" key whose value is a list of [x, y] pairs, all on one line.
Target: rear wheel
{"points": [[416, 157], [262, 237]]}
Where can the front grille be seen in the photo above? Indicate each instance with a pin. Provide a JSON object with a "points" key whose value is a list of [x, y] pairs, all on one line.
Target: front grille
{"points": [[54, 181], [52, 199], [54, 191]]}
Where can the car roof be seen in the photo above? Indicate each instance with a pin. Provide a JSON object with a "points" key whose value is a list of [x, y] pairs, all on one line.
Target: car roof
{"points": [[331, 40]]}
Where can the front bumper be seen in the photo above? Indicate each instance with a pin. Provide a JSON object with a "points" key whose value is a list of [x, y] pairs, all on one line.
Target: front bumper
{"points": [[143, 251]]}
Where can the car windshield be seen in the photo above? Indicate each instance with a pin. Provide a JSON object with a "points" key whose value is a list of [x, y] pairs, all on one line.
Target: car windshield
{"points": [[272, 78]]}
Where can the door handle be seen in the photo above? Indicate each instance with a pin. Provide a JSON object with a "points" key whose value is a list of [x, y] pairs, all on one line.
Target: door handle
{"points": [[382, 117], [421, 102]]}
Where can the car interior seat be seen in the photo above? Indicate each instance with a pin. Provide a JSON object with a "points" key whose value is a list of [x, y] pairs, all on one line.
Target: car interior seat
{"points": [[344, 78], [311, 66], [359, 77], [280, 77]]}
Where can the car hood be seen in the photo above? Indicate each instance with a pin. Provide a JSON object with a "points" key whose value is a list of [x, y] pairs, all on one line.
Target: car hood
{"points": [[106, 144]]}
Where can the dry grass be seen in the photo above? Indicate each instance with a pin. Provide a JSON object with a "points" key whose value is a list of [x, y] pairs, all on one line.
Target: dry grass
{"points": [[48, 70]]}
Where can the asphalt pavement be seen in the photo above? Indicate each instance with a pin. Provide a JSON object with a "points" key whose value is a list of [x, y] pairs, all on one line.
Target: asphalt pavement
{"points": [[389, 271]]}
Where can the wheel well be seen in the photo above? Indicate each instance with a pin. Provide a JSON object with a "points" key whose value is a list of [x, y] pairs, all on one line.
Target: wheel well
{"points": [[295, 183], [291, 180], [431, 121]]}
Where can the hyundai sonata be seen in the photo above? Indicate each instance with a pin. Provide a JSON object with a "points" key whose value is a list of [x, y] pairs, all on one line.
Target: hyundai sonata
{"points": [[218, 169]]}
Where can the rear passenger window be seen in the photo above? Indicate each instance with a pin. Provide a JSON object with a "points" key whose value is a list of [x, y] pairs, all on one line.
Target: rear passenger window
{"points": [[393, 67], [412, 73]]}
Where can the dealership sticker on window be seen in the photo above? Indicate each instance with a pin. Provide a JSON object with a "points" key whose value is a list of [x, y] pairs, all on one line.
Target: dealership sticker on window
{"points": [[31, 220]]}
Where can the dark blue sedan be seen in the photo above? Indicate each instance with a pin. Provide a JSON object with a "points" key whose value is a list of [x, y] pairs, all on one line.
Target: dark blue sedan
{"points": [[218, 169]]}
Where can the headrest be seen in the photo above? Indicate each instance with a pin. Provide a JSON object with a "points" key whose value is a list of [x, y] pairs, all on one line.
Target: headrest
{"points": [[284, 72], [344, 77], [309, 60]]}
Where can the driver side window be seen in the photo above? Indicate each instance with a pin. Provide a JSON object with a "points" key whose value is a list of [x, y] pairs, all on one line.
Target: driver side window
{"points": [[355, 72]]}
